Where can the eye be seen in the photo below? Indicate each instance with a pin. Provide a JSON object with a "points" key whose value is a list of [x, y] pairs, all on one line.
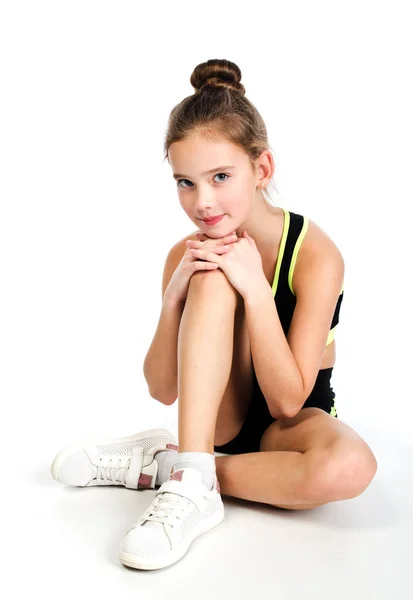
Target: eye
{"points": [[224, 174], [179, 181], [221, 181]]}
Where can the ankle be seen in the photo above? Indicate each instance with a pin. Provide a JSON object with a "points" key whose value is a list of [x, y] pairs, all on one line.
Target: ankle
{"points": [[201, 461], [166, 459]]}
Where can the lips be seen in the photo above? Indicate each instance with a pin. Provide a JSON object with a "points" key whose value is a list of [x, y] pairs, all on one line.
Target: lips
{"points": [[212, 219]]}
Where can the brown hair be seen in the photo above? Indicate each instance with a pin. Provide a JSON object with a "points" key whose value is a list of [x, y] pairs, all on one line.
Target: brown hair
{"points": [[218, 109]]}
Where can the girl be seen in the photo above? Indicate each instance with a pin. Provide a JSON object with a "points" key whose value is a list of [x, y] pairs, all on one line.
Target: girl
{"points": [[246, 334]]}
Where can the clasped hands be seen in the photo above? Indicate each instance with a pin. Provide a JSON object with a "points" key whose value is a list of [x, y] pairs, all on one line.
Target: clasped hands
{"points": [[241, 262]]}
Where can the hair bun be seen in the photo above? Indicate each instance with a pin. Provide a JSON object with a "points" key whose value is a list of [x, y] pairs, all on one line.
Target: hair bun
{"points": [[217, 73]]}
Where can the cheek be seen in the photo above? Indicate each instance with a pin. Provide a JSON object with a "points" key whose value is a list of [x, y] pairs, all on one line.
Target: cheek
{"points": [[236, 201], [244, 190], [185, 204]]}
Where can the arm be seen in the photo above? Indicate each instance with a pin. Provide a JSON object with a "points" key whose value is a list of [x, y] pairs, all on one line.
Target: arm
{"points": [[160, 365], [287, 368], [276, 369]]}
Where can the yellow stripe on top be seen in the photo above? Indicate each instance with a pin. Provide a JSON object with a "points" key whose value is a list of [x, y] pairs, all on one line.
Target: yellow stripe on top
{"points": [[331, 335], [286, 227], [295, 253], [297, 247]]}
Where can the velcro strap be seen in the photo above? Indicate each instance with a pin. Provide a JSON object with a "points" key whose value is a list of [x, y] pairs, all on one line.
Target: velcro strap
{"points": [[134, 471], [185, 490]]}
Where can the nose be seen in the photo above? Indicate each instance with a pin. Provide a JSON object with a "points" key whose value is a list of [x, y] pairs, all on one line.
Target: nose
{"points": [[205, 203]]}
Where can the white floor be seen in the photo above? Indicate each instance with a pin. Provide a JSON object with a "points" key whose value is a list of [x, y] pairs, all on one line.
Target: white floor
{"points": [[65, 542]]}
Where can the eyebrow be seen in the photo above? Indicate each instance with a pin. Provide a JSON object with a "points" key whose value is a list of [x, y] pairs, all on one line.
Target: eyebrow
{"points": [[223, 168]]}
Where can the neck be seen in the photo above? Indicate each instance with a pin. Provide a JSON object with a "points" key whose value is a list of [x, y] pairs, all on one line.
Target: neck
{"points": [[261, 224]]}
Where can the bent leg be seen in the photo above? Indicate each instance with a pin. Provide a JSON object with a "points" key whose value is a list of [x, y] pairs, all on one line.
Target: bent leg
{"points": [[304, 461], [205, 351]]}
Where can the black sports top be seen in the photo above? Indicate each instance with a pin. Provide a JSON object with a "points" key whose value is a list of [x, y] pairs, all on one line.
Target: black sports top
{"points": [[294, 231]]}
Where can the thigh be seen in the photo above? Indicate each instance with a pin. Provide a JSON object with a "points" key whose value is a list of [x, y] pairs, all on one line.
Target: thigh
{"points": [[312, 428], [238, 393], [339, 455], [315, 424]]}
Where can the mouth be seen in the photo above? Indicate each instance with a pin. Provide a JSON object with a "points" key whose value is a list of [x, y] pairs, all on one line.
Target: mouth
{"points": [[213, 220]]}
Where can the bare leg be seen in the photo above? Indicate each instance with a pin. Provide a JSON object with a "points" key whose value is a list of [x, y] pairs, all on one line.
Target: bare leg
{"points": [[278, 478], [205, 349]]}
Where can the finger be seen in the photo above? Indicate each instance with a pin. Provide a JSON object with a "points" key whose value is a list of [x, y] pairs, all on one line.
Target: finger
{"points": [[208, 255], [222, 249], [249, 238], [201, 237], [193, 243]]}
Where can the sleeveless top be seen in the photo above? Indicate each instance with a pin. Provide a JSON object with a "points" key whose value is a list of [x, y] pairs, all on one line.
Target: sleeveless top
{"points": [[294, 231]]}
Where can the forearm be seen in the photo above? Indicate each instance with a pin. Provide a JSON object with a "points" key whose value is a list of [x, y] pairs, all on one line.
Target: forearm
{"points": [[275, 366], [160, 364]]}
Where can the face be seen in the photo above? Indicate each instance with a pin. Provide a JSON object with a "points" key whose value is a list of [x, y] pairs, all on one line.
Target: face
{"points": [[228, 191]]}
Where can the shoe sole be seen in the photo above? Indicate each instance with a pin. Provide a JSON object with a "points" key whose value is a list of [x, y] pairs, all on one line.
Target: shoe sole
{"points": [[66, 452], [129, 560]]}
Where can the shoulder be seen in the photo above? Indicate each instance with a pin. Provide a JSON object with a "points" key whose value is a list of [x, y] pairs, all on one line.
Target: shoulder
{"points": [[178, 249], [318, 254], [317, 241]]}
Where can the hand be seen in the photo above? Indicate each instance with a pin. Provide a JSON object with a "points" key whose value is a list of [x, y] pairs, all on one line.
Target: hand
{"points": [[178, 285], [242, 263]]}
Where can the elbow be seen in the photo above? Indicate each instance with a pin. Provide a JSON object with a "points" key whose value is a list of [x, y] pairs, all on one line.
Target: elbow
{"points": [[166, 399], [284, 414], [277, 413], [163, 397], [293, 407], [287, 411]]}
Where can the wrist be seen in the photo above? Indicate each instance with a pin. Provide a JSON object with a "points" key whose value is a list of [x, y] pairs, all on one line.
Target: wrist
{"points": [[258, 292], [172, 302]]}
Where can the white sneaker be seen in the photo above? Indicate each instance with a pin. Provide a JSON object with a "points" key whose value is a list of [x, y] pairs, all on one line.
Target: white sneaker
{"points": [[127, 461], [183, 509]]}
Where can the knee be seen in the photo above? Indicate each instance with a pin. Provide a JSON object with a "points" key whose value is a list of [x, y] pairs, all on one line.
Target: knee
{"points": [[340, 475], [359, 466], [215, 281]]}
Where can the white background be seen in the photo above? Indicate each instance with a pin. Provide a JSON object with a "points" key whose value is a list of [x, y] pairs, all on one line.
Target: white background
{"points": [[89, 209]]}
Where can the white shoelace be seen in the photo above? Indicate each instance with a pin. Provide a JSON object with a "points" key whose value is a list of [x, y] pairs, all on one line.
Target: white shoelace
{"points": [[162, 507], [113, 473]]}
